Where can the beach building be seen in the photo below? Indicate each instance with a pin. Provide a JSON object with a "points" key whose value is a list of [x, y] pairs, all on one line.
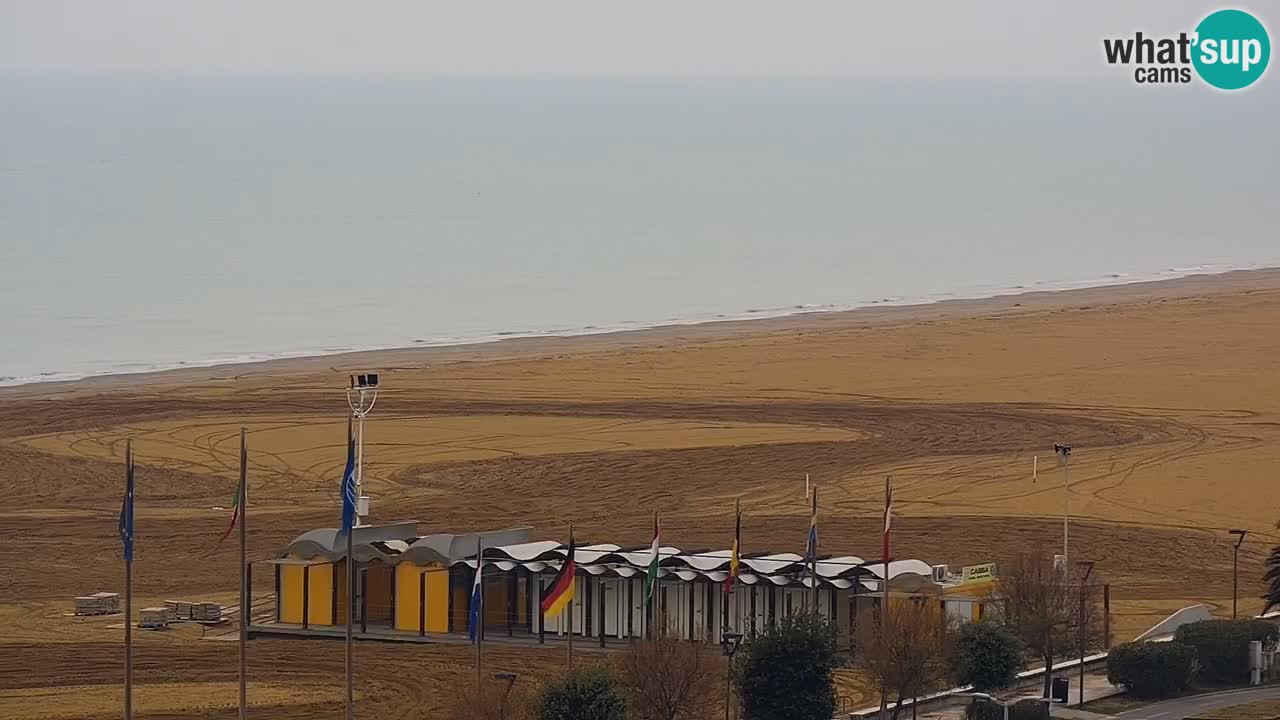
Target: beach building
{"points": [[411, 585]]}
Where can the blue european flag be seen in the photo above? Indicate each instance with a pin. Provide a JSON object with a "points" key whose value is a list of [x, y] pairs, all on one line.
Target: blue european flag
{"points": [[349, 484], [126, 506], [477, 602]]}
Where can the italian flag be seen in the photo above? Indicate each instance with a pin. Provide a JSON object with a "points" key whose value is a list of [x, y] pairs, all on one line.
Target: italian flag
{"points": [[234, 514], [235, 502], [651, 577]]}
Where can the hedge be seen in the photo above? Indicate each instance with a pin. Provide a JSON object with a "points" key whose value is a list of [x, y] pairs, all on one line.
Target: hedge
{"points": [[1222, 646], [1152, 670]]}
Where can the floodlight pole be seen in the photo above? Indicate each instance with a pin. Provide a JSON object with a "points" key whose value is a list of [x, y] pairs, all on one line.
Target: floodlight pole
{"points": [[361, 397], [1064, 452]]}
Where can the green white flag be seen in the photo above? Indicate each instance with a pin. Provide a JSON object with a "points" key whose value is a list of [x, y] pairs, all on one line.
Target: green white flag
{"points": [[651, 577]]}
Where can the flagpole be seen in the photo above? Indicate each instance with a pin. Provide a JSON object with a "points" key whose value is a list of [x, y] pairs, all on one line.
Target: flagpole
{"points": [[737, 550], [351, 580], [651, 584], [350, 519], [813, 562], [244, 580], [479, 628], [885, 550], [128, 584], [569, 608]]}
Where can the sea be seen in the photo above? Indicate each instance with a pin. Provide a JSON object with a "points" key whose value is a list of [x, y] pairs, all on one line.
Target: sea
{"points": [[151, 222]]}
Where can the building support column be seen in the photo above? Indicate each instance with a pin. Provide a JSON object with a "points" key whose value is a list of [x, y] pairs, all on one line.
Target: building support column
{"points": [[542, 621], [602, 611], [306, 597], [364, 600]]}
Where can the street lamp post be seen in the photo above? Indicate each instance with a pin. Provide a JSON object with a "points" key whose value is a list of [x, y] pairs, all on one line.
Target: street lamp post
{"points": [[1087, 569], [1235, 569], [510, 679], [729, 646], [1001, 703], [989, 698]]}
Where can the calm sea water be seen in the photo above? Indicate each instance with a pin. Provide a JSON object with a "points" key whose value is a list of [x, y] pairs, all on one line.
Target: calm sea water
{"points": [[154, 221]]}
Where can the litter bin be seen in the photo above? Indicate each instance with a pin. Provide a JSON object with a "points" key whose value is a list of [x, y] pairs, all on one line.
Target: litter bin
{"points": [[1061, 689]]}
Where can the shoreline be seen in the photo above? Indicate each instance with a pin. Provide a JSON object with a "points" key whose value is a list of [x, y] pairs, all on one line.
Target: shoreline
{"points": [[1017, 300]]}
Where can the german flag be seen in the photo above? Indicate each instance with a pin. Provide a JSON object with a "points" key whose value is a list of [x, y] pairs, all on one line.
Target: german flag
{"points": [[560, 594]]}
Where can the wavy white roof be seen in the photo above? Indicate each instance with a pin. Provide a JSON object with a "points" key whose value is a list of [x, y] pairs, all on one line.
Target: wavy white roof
{"points": [[600, 559]]}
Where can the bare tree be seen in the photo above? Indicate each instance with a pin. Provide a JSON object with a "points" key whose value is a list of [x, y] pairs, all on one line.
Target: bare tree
{"points": [[907, 653], [1050, 609], [672, 679]]}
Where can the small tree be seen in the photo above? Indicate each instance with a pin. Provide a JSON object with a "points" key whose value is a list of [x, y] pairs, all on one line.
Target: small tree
{"points": [[906, 654], [670, 679], [586, 693], [1042, 605], [785, 670], [986, 655]]}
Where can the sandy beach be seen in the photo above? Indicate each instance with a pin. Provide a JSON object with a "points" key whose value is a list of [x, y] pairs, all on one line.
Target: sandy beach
{"points": [[1168, 391]]}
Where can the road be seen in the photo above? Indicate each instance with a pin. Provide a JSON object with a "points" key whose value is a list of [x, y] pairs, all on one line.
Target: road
{"points": [[1196, 704]]}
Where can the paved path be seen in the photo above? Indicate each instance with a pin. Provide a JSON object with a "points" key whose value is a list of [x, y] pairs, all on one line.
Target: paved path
{"points": [[1188, 706]]}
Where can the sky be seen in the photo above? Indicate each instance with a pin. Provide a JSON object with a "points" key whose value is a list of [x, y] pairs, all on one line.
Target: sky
{"points": [[738, 38]]}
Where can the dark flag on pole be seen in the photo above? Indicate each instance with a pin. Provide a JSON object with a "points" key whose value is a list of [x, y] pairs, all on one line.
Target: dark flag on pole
{"points": [[475, 614], [737, 548], [349, 483], [811, 545], [126, 507], [235, 508], [888, 516]]}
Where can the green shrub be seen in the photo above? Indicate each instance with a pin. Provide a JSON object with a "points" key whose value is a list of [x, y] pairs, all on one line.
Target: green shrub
{"points": [[1222, 646], [785, 671], [1152, 670], [586, 693], [986, 655]]}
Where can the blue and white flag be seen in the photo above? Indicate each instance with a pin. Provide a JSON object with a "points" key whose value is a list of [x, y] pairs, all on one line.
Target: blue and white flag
{"points": [[126, 506], [349, 483], [476, 615]]}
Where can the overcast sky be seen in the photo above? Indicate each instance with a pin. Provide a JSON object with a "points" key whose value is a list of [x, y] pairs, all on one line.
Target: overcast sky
{"points": [[752, 38]]}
